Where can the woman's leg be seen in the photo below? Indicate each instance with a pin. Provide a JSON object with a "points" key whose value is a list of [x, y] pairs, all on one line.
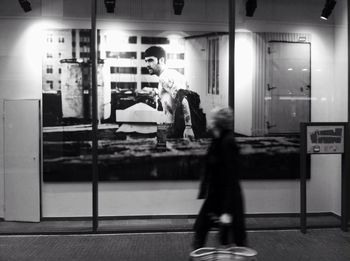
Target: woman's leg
{"points": [[238, 226], [201, 227]]}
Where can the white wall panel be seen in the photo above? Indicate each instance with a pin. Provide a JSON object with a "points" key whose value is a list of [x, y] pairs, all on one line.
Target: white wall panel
{"points": [[22, 160]]}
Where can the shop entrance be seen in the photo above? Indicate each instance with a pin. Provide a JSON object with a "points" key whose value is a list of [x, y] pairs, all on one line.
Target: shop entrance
{"points": [[288, 88]]}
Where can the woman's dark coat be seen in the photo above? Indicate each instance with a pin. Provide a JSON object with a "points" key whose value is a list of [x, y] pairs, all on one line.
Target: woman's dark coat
{"points": [[220, 184], [222, 192]]}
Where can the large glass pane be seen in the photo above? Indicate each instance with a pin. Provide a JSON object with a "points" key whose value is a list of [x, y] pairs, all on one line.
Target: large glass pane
{"points": [[45, 59], [67, 132], [289, 69], [151, 148]]}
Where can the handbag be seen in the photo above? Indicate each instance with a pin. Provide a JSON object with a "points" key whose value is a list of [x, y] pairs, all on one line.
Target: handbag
{"points": [[228, 254]]}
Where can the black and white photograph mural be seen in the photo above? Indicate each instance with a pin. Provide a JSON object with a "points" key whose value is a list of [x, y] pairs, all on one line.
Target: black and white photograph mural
{"points": [[155, 92]]}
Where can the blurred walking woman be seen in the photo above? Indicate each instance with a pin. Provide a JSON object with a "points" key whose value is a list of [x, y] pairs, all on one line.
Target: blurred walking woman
{"points": [[220, 185]]}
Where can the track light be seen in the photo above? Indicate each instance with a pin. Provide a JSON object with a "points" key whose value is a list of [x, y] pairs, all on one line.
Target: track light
{"points": [[250, 7], [178, 6], [328, 8], [110, 6], [25, 5]]}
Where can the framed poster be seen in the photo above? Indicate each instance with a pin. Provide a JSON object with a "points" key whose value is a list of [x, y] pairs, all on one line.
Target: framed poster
{"points": [[325, 139]]}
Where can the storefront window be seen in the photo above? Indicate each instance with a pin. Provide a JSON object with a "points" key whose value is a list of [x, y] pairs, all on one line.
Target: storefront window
{"points": [[161, 70]]}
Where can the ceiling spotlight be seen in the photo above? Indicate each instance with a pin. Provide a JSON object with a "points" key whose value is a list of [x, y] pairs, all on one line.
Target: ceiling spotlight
{"points": [[178, 6], [25, 5], [328, 8], [110, 6], [250, 7]]}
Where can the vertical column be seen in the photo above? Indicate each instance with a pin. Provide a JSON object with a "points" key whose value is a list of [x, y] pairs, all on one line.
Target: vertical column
{"points": [[303, 167], [231, 77], [344, 182], [347, 156], [93, 58]]}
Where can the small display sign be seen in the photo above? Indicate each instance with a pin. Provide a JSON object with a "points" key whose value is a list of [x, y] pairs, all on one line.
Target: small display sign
{"points": [[325, 139]]}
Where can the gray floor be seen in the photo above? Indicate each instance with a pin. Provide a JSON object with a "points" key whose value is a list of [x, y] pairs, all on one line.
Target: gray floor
{"points": [[180, 224], [274, 245]]}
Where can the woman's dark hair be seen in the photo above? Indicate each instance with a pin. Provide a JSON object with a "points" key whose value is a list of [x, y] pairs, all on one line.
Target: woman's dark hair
{"points": [[223, 118]]}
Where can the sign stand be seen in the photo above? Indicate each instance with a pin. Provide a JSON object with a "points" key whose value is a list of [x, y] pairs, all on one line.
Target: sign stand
{"points": [[323, 138]]}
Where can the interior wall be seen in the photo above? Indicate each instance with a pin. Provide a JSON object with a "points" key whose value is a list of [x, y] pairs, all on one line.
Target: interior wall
{"points": [[196, 55], [20, 78], [121, 199], [244, 83]]}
